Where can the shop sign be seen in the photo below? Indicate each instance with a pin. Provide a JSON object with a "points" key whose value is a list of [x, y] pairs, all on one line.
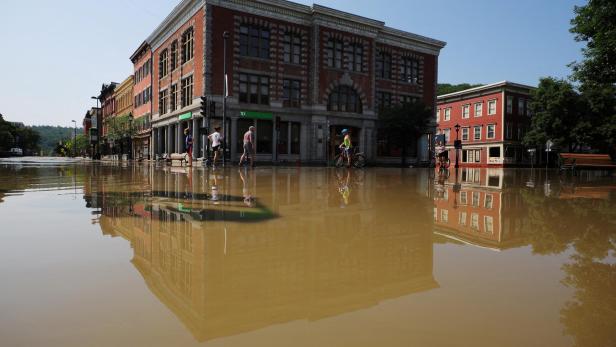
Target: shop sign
{"points": [[257, 115]]}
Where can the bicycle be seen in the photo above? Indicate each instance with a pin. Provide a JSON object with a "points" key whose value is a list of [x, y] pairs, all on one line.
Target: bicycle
{"points": [[358, 160], [443, 162]]}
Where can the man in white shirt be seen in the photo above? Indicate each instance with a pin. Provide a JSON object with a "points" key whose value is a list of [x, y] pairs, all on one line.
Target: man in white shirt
{"points": [[216, 139]]}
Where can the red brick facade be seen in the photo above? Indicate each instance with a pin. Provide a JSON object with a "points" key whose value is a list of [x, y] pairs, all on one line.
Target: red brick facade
{"points": [[491, 133]]}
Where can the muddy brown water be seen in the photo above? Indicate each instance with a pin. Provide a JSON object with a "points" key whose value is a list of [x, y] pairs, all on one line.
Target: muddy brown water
{"points": [[107, 255]]}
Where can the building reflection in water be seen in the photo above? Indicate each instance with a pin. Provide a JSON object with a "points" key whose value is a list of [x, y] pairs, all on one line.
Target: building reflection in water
{"points": [[304, 260]]}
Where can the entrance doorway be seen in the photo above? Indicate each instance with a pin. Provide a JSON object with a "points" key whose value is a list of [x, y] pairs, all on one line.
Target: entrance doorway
{"points": [[335, 138]]}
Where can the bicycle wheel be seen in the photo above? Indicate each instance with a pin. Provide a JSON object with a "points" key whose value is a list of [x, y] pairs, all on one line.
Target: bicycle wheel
{"points": [[359, 161], [338, 161]]}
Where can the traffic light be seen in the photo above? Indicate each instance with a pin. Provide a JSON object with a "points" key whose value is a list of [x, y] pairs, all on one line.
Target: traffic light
{"points": [[204, 106]]}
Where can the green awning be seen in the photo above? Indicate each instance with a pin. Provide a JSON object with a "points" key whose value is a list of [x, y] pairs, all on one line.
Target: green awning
{"points": [[257, 115]]}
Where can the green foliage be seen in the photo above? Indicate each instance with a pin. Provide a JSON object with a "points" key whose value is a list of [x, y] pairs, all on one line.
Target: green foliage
{"points": [[52, 135], [446, 88], [560, 114], [14, 135], [82, 145], [595, 24], [404, 122], [120, 127]]}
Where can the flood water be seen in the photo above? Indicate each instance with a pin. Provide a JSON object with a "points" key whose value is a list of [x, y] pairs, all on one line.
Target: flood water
{"points": [[104, 255]]}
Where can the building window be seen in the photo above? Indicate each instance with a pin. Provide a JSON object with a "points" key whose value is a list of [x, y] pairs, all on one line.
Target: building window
{"points": [[489, 201], [463, 198], [187, 45], [174, 97], [438, 115], [491, 131], [162, 66], [407, 99], [510, 104], [289, 134], [488, 222], [254, 89], [494, 152], [383, 101], [187, 91], [478, 109], [333, 51], [444, 216], [508, 130], [491, 107], [383, 65], [476, 199], [254, 41], [477, 133], [292, 48], [465, 132], [466, 111], [410, 70], [475, 221], [356, 57], [162, 101], [174, 55], [462, 219], [521, 107], [344, 99], [447, 114], [291, 93]]}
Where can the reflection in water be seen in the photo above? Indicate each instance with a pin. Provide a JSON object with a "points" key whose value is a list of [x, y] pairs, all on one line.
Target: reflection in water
{"points": [[231, 251], [221, 277], [488, 208]]}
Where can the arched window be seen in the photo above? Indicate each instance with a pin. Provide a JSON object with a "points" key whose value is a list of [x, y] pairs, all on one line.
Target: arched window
{"points": [[344, 99]]}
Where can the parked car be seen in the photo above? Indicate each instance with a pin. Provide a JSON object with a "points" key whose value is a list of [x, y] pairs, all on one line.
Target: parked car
{"points": [[17, 152]]}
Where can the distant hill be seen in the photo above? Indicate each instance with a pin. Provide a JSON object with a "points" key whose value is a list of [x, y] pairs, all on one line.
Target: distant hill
{"points": [[446, 88], [51, 135]]}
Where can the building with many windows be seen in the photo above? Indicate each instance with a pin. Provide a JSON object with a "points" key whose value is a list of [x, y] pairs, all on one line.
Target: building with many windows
{"points": [[142, 101], [299, 74], [108, 106], [493, 120]]}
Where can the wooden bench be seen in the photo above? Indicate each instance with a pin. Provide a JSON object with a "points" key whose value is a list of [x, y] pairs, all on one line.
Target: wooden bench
{"points": [[574, 161]]}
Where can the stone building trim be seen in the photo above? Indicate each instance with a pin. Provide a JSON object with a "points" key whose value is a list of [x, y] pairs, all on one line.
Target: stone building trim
{"points": [[346, 80]]}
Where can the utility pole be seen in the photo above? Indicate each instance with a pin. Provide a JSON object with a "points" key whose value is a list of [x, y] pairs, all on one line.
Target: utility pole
{"points": [[225, 36], [75, 139]]}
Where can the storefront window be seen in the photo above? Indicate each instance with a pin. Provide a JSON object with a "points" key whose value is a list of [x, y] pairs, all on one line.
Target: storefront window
{"points": [[295, 137], [264, 136], [283, 138], [388, 147]]}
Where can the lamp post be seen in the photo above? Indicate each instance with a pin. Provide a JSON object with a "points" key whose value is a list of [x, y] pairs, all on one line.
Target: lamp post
{"points": [[225, 36], [457, 144], [74, 138]]}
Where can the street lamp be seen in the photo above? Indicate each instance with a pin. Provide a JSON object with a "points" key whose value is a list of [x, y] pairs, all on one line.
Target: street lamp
{"points": [[457, 144], [225, 36], [74, 139]]}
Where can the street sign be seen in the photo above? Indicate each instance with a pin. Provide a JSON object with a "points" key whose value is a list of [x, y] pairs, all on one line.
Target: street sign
{"points": [[184, 116]]}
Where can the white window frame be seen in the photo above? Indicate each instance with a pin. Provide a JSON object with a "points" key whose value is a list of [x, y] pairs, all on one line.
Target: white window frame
{"points": [[478, 109], [438, 115], [475, 221], [447, 114], [489, 198], [463, 198], [488, 223], [465, 133], [476, 199], [447, 133], [462, 219], [466, 111], [444, 216], [491, 111], [493, 126], [475, 133]]}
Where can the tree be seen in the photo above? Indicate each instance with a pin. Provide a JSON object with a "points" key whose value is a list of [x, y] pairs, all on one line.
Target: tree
{"points": [[560, 114], [82, 144], [594, 24], [404, 122]]}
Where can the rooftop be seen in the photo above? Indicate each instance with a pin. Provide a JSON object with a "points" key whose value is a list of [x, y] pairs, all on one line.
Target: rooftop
{"points": [[487, 87]]}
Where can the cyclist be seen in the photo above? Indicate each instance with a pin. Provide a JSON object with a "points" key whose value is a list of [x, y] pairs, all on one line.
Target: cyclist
{"points": [[441, 154], [346, 146]]}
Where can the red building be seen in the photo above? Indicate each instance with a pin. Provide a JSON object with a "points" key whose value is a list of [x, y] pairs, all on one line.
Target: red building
{"points": [[492, 121], [300, 74], [142, 103]]}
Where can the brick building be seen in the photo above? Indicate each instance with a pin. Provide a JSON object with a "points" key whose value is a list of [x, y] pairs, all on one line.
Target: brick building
{"points": [[493, 120], [142, 100], [299, 73], [108, 107]]}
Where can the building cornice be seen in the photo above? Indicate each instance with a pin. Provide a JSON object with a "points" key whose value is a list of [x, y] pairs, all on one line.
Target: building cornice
{"points": [[484, 90], [143, 48], [178, 17]]}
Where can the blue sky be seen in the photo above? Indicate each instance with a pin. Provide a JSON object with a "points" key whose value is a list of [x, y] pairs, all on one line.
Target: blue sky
{"points": [[56, 54]]}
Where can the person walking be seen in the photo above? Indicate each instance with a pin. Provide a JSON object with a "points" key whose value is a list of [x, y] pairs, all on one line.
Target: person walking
{"points": [[188, 144], [249, 146], [216, 138]]}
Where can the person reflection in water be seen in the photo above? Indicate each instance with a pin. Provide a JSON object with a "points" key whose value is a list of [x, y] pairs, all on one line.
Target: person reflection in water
{"points": [[344, 187], [214, 188], [249, 200]]}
